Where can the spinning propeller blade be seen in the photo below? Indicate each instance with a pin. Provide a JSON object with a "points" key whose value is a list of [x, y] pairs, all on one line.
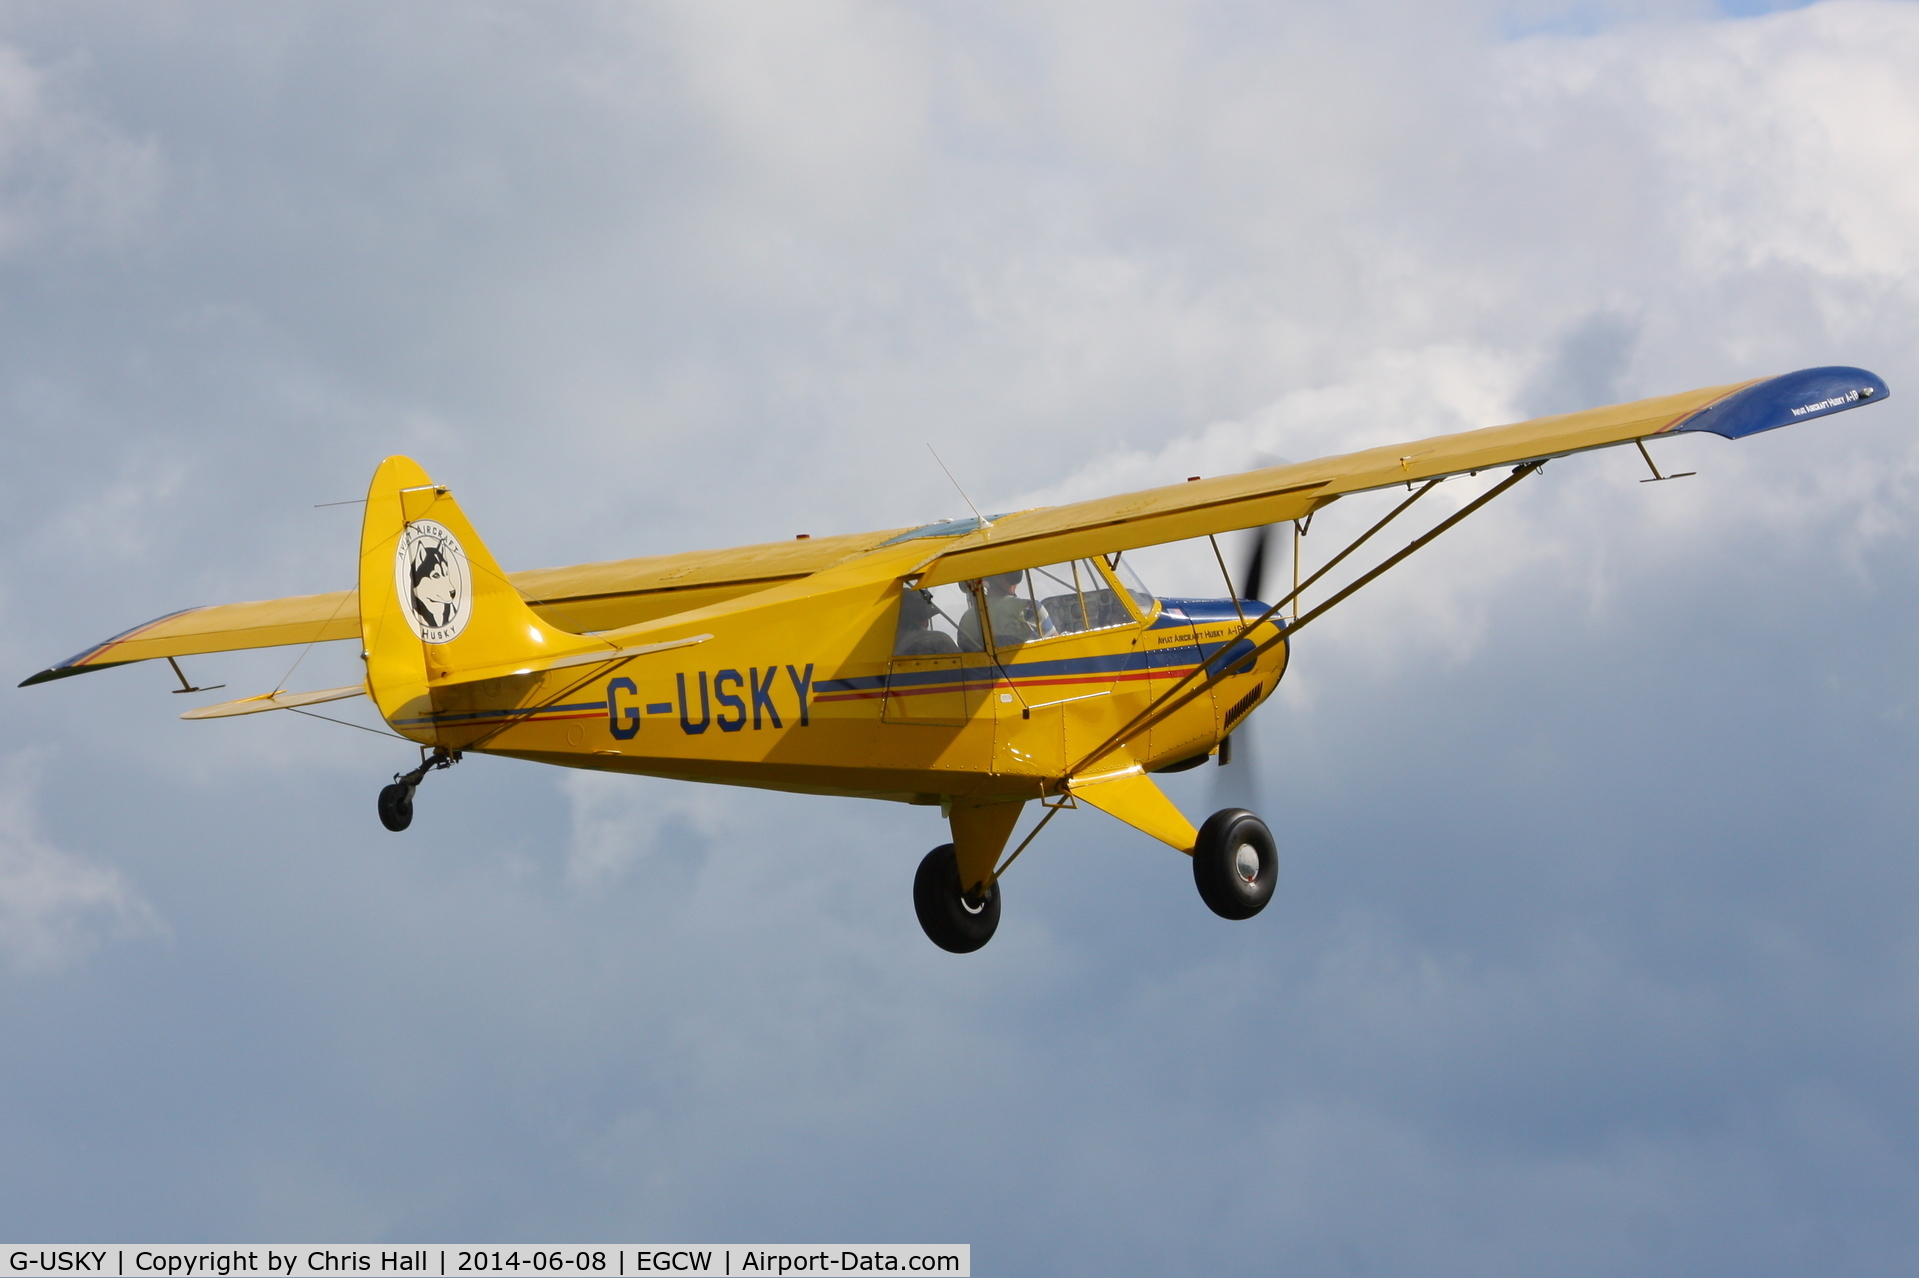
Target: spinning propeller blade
{"points": [[1252, 581], [1253, 577], [1237, 784]]}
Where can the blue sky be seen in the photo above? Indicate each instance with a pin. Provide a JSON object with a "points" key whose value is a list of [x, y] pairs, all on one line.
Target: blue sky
{"points": [[1592, 951]]}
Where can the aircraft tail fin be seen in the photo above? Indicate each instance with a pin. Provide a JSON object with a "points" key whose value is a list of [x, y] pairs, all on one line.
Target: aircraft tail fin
{"points": [[435, 609]]}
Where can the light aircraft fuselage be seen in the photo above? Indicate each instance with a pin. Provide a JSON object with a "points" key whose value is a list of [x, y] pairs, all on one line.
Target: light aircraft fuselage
{"points": [[977, 665]]}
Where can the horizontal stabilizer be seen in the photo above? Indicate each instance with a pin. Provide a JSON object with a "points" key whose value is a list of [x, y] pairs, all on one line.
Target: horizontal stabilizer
{"points": [[274, 701]]}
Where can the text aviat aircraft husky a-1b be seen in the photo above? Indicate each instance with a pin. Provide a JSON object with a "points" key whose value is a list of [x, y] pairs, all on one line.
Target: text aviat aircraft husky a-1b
{"points": [[974, 665]]}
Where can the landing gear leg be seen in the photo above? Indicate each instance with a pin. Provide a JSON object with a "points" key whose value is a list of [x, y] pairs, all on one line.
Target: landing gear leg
{"points": [[396, 800]]}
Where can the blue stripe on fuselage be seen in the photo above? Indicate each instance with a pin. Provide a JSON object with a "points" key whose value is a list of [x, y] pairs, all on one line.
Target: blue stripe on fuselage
{"points": [[1170, 657], [508, 712]]}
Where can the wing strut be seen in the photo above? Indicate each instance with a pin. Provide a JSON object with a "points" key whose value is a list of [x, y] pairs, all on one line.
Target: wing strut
{"points": [[1300, 587], [1180, 693], [1519, 473]]}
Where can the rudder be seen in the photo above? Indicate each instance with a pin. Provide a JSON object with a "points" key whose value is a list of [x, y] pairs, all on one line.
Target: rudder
{"points": [[433, 601]]}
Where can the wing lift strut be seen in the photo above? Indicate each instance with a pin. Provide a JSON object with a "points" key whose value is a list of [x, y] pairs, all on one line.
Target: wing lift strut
{"points": [[1227, 655], [1209, 672]]}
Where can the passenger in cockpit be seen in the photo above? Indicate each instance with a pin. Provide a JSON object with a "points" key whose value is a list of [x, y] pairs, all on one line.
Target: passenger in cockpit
{"points": [[917, 638]]}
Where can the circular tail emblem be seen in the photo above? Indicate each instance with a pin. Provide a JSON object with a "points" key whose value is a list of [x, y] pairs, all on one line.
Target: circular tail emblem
{"points": [[433, 581]]}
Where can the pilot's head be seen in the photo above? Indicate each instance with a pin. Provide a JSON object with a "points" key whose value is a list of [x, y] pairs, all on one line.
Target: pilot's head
{"points": [[1004, 583], [916, 609]]}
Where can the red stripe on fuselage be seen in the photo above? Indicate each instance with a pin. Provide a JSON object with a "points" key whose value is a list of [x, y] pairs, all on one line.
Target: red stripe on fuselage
{"points": [[1166, 672]]}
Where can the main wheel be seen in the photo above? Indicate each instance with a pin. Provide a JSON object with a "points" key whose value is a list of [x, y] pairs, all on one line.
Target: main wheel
{"points": [[1235, 863], [396, 806], [951, 920]]}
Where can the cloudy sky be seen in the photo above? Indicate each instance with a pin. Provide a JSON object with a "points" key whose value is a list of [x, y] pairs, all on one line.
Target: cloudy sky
{"points": [[1594, 951]]}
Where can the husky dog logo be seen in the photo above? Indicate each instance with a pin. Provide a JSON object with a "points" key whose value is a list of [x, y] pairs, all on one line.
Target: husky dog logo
{"points": [[434, 583]]}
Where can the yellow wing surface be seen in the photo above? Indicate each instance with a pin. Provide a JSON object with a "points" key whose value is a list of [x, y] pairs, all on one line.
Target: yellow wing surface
{"points": [[620, 593], [1106, 525], [597, 596]]}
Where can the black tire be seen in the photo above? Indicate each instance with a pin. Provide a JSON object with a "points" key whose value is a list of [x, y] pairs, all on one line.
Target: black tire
{"points": [[1235, 864], [950, 921], [396, 806]]}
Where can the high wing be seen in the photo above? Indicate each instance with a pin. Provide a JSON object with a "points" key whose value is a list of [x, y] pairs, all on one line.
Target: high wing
{"points": [[1106, 525], [620, 593], [586, 597]]}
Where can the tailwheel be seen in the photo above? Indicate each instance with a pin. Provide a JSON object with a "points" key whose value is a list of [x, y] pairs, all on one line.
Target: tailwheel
{"points": [[952, 920], [1235, 863], [396, 806], [396, 800]]}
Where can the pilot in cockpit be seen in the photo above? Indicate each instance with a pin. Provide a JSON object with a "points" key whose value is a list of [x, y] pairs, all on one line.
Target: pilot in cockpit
{"points": [[1012, 617]]}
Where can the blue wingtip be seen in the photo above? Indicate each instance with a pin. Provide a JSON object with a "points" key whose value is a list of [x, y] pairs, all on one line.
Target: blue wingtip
{"points": [[1788, 398]]}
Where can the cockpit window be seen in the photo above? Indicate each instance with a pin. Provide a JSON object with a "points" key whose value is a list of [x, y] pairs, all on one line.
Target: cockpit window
{"points": [[938, 621], [1031, 603], [1057, 599]]}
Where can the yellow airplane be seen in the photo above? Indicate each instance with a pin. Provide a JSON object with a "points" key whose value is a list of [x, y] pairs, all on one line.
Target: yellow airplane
{"points": [[975, 665]]}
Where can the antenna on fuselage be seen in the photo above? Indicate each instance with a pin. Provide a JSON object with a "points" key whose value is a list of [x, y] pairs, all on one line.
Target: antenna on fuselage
{"points": [[984, 522]]}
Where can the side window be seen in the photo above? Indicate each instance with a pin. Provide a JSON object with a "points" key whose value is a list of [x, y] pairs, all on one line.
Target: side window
{"points": [[938, 621], [1010, 611]]}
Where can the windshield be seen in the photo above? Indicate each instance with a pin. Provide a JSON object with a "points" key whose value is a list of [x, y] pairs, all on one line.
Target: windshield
{"points": [[1129, 579]]}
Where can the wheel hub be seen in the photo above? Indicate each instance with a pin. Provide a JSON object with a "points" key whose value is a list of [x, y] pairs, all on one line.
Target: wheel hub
{"points": [[1246, 862]]}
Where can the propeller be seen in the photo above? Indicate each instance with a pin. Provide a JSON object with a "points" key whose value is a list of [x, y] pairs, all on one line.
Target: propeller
{"points": [[1236, 784], [1254, 575], [1236, 781], [1252, 581]]}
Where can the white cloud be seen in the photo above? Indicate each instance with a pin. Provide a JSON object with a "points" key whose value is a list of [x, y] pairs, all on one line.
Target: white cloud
{"points": [[622, 821], [643, 278], [67, 180], [55, 906]]}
